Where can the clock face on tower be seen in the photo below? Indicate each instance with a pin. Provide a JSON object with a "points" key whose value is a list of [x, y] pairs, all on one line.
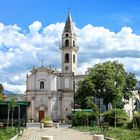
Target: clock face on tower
{"points": [[66, 67]]}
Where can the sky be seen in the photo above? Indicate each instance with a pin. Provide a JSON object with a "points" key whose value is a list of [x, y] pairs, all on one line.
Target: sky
{"points": [[30, 31]]}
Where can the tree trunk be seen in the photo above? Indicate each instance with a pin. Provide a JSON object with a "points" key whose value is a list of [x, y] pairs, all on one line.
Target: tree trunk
{"points": [[8, 117], [12, 118]]}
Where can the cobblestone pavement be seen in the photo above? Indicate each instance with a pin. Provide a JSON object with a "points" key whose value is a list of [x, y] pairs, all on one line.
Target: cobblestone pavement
{"points": [[57, 133]]}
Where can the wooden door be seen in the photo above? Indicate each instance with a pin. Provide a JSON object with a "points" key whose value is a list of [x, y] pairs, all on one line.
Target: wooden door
{"points": [[41, 115]]}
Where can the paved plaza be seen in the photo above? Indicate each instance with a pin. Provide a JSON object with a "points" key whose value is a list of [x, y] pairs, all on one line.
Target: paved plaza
{"points": [[61, 133]]}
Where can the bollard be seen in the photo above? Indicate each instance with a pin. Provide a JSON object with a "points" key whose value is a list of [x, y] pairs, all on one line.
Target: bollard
{"points": [[57, 125], [47, 138], [41, 125], [98, 137]]}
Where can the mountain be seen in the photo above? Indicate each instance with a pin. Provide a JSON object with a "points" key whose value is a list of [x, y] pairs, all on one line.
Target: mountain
{"points": [[11, 94], [7, 92]]}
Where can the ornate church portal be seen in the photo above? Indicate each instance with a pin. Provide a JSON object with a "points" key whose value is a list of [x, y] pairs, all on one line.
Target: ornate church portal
{"points": [[50, 92]]}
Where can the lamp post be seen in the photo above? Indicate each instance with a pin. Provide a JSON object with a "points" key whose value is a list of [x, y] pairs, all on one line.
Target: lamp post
{"points": [[101, 91], [117, 73], [74, 102], [19, 115], [115, 123], [73, 122]]}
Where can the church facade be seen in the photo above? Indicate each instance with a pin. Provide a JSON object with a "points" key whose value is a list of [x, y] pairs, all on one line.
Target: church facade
{"points": [[51, 93]]}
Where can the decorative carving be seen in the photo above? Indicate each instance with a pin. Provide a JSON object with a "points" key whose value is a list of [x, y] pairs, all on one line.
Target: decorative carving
{"points": [[46, 108], [50, 97], [42, 107], [37, 108]]}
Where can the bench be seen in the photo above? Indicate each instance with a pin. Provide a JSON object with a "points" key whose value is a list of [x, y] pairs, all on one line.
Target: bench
{"points": [[104, 126]]}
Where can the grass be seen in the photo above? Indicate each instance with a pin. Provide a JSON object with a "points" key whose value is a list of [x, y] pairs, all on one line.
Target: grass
{"points": [[8, 133], [115, 133]]}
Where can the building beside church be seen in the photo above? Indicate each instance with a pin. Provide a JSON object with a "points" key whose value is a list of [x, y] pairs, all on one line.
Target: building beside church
{"points": [[51, 92]]}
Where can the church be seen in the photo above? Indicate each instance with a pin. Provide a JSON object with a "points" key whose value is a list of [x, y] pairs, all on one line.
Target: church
{"points": [[51, 92]]}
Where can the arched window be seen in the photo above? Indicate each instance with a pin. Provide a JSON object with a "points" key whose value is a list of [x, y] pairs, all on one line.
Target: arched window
{"points": [[66, 58], [67, 43], [73, 58], [73, 43], [41, 85]]}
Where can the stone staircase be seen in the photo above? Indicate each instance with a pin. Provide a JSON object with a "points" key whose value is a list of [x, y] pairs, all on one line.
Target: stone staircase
{"points": [[33, 124]]}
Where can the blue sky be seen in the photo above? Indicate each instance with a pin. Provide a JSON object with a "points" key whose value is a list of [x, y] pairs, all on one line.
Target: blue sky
{"points": [[30, 31], [112, 14]]}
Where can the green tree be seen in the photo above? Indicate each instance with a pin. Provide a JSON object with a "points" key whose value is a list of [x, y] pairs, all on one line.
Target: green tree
{"points": [[107, 80], [1, 92], [1, 88], [85, 89], [91, 105], [121, 117]]}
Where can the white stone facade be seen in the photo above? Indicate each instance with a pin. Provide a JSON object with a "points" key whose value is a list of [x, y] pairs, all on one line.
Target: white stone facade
{"points": [[51, 92]]}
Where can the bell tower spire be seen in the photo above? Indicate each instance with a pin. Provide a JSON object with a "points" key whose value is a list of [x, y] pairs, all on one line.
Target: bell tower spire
{"points": [[69, 48], [69, 24]]}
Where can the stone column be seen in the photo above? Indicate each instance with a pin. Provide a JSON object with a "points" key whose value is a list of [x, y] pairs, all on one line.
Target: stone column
{"points": [[33, 107], [49, 104]]}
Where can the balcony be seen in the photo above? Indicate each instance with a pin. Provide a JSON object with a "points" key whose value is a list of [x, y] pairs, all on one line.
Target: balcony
{"points": [[70, 47]]}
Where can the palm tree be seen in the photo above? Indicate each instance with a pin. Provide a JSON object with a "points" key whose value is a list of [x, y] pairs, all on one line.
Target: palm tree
{"points": [[8, 109], [12, 106]]}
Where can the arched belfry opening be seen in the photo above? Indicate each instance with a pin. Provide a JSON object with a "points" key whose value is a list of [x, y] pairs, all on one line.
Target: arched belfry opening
{"points": [[67, 43], [73, 58], [73, 43], [66, 58]]}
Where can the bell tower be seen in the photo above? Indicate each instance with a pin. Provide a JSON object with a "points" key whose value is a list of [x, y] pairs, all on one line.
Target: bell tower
{"points": [[68, 48]]}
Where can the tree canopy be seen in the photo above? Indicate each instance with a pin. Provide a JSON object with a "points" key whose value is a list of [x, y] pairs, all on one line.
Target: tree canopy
{"points": [[1, 92], [1, 89], [109, 81]]}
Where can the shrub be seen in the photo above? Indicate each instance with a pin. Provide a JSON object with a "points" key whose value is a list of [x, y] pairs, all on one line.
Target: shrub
{"points": [[47, 118], [83, 118], [69, 117], [47, 121], [121, 117], [135, 122], [138, 120], [8, 133]]}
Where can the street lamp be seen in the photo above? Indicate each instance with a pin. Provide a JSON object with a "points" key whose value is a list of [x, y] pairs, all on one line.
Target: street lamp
{"points": [[117, 73], [19, 115], [73, 117], [115, 123], [101, 101]]}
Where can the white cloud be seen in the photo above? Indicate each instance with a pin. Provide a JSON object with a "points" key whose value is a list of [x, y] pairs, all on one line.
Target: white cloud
{"points": [[20, 50], [18, 89], [35, 27]]}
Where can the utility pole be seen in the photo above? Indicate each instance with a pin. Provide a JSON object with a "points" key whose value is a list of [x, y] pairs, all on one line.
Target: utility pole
{"points": [[74, 95], [73, 122]]}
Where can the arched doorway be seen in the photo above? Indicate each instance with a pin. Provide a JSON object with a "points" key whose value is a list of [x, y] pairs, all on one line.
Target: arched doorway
{"points": [[42, 110], [41, 115]]}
